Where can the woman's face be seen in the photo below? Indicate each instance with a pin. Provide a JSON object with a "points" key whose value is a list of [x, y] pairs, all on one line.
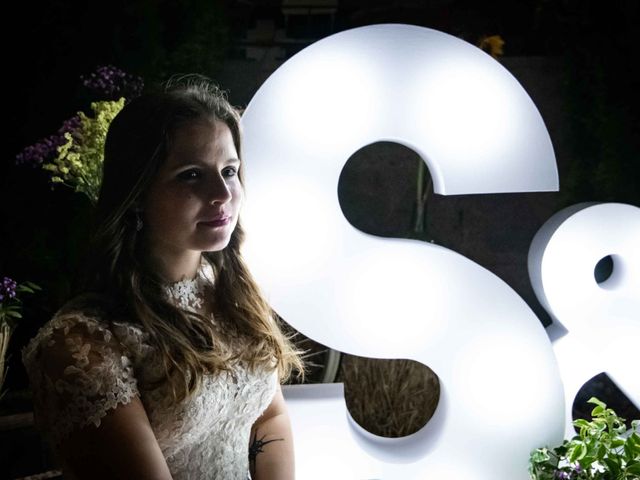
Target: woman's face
{"points": [[193, 202]]}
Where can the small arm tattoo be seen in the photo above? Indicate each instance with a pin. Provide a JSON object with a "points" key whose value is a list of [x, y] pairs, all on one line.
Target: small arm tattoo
{"points": [[256, 448]]}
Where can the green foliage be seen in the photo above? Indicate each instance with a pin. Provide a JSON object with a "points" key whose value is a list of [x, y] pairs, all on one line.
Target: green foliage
{"points": [[11, 306], [79, 161], [602, 450]]}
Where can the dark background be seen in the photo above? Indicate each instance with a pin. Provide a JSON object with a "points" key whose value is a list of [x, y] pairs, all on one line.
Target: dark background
{"points": [[578, 60]]}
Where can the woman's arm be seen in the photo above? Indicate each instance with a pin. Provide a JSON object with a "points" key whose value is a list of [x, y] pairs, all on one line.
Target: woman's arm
{"points": [[122, 447], [271, 444]]}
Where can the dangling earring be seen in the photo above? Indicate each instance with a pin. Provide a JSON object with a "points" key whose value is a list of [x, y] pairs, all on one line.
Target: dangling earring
{"points": [[138, 221]]}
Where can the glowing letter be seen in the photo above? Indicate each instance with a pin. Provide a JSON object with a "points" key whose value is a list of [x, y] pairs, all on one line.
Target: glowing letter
{"points": [[479, 132], [603, 320]]}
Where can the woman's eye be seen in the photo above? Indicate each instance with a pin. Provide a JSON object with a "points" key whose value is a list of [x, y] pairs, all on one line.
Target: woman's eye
{"points": [[229, 172], [189, 175]]}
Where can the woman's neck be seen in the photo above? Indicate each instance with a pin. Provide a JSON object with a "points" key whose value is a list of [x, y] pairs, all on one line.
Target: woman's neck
{"points": [[175, 268]]}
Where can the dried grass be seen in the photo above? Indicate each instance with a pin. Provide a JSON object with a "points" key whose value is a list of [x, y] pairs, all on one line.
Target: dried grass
{"points": [[390, 398]]}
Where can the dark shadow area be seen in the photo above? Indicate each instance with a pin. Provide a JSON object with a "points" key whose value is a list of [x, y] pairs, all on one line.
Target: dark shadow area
{"points": [[603, 388]]}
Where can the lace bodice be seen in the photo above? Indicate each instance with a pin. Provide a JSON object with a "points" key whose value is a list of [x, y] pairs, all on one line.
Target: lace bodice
{"points": [[80, 367]]}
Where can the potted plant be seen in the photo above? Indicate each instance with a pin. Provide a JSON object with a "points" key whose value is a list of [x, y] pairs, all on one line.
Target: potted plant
{"points": [[604, 449]]}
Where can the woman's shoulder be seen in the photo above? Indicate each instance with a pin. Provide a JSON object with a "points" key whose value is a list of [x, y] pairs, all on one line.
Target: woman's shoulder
{"points": [[78, 368], [81, 313], [89, 305], [87, 318]]}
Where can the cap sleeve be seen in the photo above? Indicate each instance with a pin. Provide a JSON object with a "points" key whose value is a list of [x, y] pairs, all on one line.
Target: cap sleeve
{"points": [[78, 372]]}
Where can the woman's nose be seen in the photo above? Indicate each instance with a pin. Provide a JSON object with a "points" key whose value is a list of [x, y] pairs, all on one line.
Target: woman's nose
{"points": [[219, 191]]}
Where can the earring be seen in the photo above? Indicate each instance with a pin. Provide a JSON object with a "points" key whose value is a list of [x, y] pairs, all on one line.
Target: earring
{"points": [[138, 222]]}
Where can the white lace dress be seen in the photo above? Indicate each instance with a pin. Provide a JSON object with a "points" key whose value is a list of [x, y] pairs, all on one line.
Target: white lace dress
{"points": [[80, 367]]}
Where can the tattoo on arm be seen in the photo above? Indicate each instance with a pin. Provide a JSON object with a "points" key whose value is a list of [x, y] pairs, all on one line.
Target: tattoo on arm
{"points": [[256, 448]]}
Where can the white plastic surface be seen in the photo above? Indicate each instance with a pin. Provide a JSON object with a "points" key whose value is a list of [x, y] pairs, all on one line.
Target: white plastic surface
{"points": [[600, 323], [478, 131]]}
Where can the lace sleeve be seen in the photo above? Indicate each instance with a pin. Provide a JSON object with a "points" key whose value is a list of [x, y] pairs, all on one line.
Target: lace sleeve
{"points": [[77, 373]]}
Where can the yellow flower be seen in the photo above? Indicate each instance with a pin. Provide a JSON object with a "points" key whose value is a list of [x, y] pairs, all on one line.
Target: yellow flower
{"points": [[493, 44], [80, 158]]}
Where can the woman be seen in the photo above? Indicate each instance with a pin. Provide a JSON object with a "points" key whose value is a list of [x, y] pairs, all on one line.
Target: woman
{"points": [[168, 365]]}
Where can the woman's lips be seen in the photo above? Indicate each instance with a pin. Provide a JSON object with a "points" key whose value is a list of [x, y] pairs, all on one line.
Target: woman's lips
{"points": [[220, 222]]}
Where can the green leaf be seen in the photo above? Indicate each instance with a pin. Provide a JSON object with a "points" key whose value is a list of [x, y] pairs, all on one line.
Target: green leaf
{"points": [[634, 439], [583, 427], [599, 424], [617, 443], [586, 461], [602, 452], [596, 401], [631, 452], [14, 314], [633, 469], [576, 452], [539, 455], [613, 465], [32, 285], [581, 423]]}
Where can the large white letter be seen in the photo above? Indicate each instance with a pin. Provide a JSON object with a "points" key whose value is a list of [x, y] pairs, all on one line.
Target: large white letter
{"points": [[479, 132]]}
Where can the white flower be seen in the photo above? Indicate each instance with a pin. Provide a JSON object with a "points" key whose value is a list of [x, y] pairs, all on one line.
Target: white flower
{"points": [[597, 467]]}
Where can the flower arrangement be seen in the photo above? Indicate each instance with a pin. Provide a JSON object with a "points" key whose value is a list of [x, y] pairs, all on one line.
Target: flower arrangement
{"points": [[74, 154], [78, 163], [603, 450], [10, 312]]}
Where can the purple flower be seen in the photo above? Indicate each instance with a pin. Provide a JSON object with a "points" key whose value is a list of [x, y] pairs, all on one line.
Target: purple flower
{"points": [[44, 150], [7, 289], [111, 82], [70, 125]]}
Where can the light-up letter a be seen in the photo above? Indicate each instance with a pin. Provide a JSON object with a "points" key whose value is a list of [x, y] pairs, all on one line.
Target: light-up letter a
{"points": [[479, 132]]}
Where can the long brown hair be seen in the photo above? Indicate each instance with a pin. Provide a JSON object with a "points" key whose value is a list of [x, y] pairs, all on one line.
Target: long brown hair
{"points": [[136, 145]]}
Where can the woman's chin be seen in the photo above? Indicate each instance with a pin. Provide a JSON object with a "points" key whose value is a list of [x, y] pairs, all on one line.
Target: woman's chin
{"points": [[214, 246]]}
